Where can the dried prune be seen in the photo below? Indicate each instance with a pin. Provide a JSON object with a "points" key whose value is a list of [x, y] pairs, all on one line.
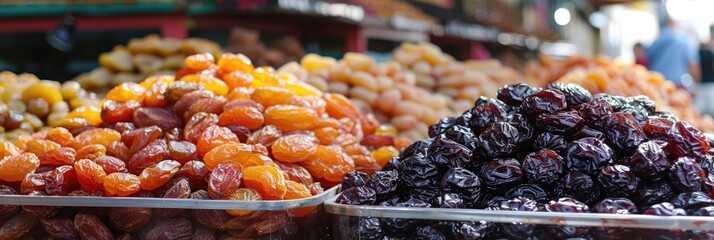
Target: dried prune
{"points": [[441, 126], [447, 154], [354, 179], [622, 131], [587, 155], [544, 166], [91, 227], [686, 175], [664, 209], [587, 131], [448, 200], [401, 227], [517, 230], [498, 140], [418, 147], [427, 232], [484, 115], [652, 193], [560, 122], [687, 141], [545, 101], [577, 185], [550, 141], [129, 219], [384, 183], [415, 171], [357, 196], [179, 228], [461, 135], [463, 182], [40, 211], [574, 94], [595, 111], [691, 201], [367, 228], [501, 174], [514, 94], [617, 181], [60, 228], [615, 206], [649, 162], [530, 191]]}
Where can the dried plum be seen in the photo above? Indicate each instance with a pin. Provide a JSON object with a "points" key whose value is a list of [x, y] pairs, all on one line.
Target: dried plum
{"points": [[427, 233], [544, 166], [416, 148], [530, 191], [462, 135], [441, 126], [664, 209], [486, 114], [463, 182], [354, 179], [617, 181], [643, 102], [448, 200], [574, 94], [560, 122], [518, 230], [384, 183], [498, 140], [649, 162], [595, 111], [615, 206], [587, 155], [357, 196], [524, 126], [501, 174], [577, 185], [653, 193], [545, 101], [514, 94], [687, 141], [367, 228], [550, 141], [686, 175], [446, 153], [691, 201], [416, 171], [623, 131]]}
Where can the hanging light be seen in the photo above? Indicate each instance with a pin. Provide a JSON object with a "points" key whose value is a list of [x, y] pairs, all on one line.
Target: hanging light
{"points": [[62, 37]]}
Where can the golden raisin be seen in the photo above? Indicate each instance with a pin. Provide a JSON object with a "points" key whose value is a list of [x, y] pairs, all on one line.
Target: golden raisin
{"points": [[326, 135], [271, 96], [199, 61], [126, 92], [62, 136], [14, 168], [92, 151], [290, 118], [238, 78], [212, 137], [339, 106], [243, 194], [210, 83], [121, 184], [102, 136], [294, 148], [90, 175], [329, 164], [269, 181], [39, 146], [156, 176], [230, 62], [248, 117]]}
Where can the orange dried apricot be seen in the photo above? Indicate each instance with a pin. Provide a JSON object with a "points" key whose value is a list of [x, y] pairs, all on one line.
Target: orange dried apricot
{"points": [[82, 116], [199, 61], [271, 96], [232, 152], [91, 151], [329, 164], [155, 95], [326, 135], [14, 168], [265, 136], [156, 176], [365, 163], [62, 136], [238, 78], [290, 118], [8, 149], [303, 89], [297, 191], [295, 172], [102, 136], [58, 156], [210, 83], [248, 117], [38, 146], [90, 175], [384, 154], [230, 62], [243, 194], [50, 94], [240, 93], [126, 92], [111, 164], [213, 137], [121, 184], [294, 148], [269, 181], [339, 106], [114, 111]]}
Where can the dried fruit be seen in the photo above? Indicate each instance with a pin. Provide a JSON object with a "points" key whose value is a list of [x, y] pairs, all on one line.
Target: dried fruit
{"points": [[243, 194], [294, 148], [129, 220], [14, 168], [225, 179], [267, 180], [91, 227], [121, 184], [213, 137], [156, 176]]}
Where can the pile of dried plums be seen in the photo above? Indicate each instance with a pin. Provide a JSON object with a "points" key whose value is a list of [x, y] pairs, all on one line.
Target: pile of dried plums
{"points": [[558, 149]]}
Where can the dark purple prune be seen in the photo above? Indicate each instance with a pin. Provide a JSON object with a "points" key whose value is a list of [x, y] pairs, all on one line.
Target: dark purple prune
{"points": [[545, 101], [595, 110], [686, 175], [416, 148], [704, 211], [518, 230], [574, 94], [708, 185], [617, 181], [691, 201], [446, 153], [462, 135], [687, 141], [501, 174], [653, 193], [384, 183], [649, 162], [560, 122], [441, 126], [514, 94], [498, 140], [530, 191], [666, 115], [622, 131], [484, 115], [550, 141], [354, 179], [564, 205], [577, 185], [415, 171], [637, 112], [519, 204], [465, 117], [491, 201], [524, 126], [487, 101], [587, 131], [544, 166], [615, 206], [643, 102], [664, 209], [616, 102], [357, 196], [707, 163], [392, 165], [427, 233], [367, 228], [401, 227], [463, 182], [7, 210], [587, 155], [448, 200], [567, 205], [476, 230], [426, 193]]}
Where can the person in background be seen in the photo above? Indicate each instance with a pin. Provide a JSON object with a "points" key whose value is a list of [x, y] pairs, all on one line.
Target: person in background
{"points": [[640, 55], [705, 96], [674, 56]]}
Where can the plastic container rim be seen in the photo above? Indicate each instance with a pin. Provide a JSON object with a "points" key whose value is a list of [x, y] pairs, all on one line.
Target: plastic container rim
{"points": [[561, 219], [90, 201]]}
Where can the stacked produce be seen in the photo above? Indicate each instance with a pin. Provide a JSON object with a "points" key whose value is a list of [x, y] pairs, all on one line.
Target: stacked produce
{"points": [[141, 58], [278, 52], [558, 149], [547, 70], [29, 104], [223, 130], [633, 80], [464, 82], [385, 89]]}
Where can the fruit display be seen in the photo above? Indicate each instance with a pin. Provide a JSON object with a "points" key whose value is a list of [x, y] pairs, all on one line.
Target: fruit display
{"points": [[217, 130], [553, 150], [633, 80], [546, 70], [30, 104], [464, 82], [275, 53], [385, 89], [141, 58]]}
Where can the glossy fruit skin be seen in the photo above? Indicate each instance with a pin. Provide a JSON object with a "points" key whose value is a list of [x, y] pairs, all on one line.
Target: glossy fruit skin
{"points": [[686, 175], [618, 181], [587, 155], [546, 101], [530, 191], [615, 206], [501, 174], [544, 166], [574, 94], [224, 180], [497, 141], [564, 122], [687, 141], [577, 185], [486, 112], [91, 227], [294, 148], [464, 183], [623, 131], [14, 168], [550, 141], [658, 128], [447, 154], [121, 184], [514, 94], [649, 162]]}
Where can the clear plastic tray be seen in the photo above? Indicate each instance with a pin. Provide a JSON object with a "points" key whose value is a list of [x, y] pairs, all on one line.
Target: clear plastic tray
{"points": [[279, 219], [347, 216]]}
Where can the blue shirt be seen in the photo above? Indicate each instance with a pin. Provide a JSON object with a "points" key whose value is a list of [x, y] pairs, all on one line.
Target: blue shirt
{"points": [[671, 55]]}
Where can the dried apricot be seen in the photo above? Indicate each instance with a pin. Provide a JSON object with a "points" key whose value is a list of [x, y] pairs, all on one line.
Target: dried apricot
{"points": [[248, 117], [156, 176], [90, 175], [126, 92], [14, 168], [102, 136], [155, 95], [296, 190], [243, 103], [329, 164], [295, 172], [38, 146], [326, 135], [199, 61], [121, 184], [224, 180], [240, 93], [210, 83], [232, 152], [62, 136], [58, 156], [271, 96], [269, 181], [339, 106], [366, 164], [265, 136], [111, 164], [184, 103], [114, 111], [182, 151], [303, 89], [290, 118], [243, 194], [229, 62], [238, 78], [212, 137], [209, 105], [92, 151], [294, 148], [198, 123], [82, 116], [384, 154]]}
